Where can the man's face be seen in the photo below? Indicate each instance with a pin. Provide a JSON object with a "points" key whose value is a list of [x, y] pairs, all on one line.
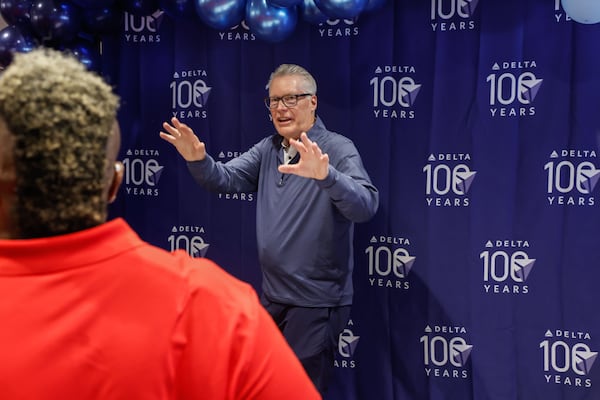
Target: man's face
{"points": [[291, 121]]}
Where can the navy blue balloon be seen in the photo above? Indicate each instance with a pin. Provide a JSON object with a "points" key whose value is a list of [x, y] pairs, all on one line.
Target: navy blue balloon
{"points": [[140, 8], [103, 21], [12, 40], [178, 8], [15, 12], [311, 13], [373, 5], [345, 9], [94, 3], [284, 3], [55, 21], [270, 23], [220, 14], [88, 53]]}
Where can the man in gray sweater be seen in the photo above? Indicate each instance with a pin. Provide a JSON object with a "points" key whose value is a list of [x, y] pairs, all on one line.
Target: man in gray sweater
{"points": [[311, 188]]}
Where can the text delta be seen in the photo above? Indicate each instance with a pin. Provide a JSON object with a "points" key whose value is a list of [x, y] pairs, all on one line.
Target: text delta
{"points": [[192, 73], [190, 228], [578, 153], [230, 154], [572, 335], [390, 240], [395, 68], [510, 243], [453, 157], [449, 329], [144, 152], [517, 64]]}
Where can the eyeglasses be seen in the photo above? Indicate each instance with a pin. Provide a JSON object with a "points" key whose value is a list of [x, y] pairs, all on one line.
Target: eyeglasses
{"points": [[289, 100]]}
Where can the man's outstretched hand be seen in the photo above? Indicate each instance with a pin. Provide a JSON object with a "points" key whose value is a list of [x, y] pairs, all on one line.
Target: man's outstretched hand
{"points": [[184, 139], [312, 164]]}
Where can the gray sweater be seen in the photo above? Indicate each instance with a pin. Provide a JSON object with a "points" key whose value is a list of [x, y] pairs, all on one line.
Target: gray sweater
{"points": [[304, 227]]}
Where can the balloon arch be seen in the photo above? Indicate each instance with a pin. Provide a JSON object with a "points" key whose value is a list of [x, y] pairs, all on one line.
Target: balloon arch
{"points": [[78, 25]]}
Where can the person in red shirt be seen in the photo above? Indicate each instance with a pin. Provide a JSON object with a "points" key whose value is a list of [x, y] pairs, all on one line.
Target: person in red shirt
{"points": [[88, 309]]}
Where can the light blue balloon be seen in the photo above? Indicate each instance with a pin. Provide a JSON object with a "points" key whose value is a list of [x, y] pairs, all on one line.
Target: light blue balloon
{"points": [[270, 23], [342, 9], [284, 3], [311, 13], [582, 11], [220, 14]]}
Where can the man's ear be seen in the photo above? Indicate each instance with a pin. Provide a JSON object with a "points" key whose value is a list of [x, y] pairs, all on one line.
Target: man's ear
{"points": [[313, 101], [116, 181]]}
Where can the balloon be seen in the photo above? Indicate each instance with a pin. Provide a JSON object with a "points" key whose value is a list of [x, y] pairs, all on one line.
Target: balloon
{"points": [[341, 8], [55, 21], [373, 5], [87, 52], [15, 12], [103, 21], [311, 13], [178, 8], [284, 3], [270, 23], [140, 8], [220, 14], [13, 40], [582, 11], [94, 3]]}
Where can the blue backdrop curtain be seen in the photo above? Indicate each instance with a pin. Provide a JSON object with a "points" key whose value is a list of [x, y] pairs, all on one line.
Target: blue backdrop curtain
{"points": [[479, 122]]}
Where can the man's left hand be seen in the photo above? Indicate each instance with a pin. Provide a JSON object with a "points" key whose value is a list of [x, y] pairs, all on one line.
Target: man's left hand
{"points": [[312, 164]]}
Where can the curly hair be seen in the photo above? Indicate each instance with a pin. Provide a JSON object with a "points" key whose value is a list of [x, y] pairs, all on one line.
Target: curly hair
{"points": [[61, 116]]}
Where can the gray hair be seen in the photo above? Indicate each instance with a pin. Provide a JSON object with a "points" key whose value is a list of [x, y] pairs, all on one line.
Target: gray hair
{"points": [[310, 85]]}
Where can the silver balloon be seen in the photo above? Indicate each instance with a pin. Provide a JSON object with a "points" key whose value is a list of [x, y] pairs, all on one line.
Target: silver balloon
{"points": [[270, 23], [311, 13], [341, 8], [582, 11], [220, 14]]}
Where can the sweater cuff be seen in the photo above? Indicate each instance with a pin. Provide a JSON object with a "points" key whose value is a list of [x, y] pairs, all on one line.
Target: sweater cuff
{"points": [[200, 165], [330, 180]]}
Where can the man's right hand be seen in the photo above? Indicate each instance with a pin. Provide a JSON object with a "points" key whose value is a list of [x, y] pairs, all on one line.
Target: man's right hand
{"points": [[185, 141]]}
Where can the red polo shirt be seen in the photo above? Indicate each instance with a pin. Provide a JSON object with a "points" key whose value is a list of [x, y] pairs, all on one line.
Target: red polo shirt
{"points": [[100, 314]]}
